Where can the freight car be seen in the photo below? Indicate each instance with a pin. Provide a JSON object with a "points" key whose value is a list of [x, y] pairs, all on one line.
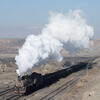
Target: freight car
{"points": [[22, 83]]}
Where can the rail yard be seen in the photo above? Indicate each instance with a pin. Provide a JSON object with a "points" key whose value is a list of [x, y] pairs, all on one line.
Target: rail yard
{"points": [[54, 83]]}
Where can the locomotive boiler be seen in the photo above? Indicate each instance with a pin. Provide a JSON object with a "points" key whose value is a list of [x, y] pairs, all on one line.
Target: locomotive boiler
{"points": [[22, 83]]}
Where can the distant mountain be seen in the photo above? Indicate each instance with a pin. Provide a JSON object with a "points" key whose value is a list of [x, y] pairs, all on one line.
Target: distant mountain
{"points": [[11, 46]]}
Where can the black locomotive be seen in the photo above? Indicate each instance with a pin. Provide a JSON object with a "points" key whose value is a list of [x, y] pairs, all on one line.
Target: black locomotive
{"points": [[22, 83], [35, 79]]}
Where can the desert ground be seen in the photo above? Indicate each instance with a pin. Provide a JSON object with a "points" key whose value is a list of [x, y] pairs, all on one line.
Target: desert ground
{"points": [[86, 88]]}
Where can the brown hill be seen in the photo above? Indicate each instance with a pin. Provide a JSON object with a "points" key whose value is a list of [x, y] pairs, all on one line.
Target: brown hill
{"points": [[10, 46]]}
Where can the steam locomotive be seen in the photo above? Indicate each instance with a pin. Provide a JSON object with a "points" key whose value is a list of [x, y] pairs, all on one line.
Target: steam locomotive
{"points": [[22, 83], [35, 79]]}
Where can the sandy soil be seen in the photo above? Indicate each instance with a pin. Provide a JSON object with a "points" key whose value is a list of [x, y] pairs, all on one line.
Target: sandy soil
{"points": [[88, 88]]}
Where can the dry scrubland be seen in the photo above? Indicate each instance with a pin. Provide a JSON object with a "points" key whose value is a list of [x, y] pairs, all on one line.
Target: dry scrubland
{"points": [[86, 89]]}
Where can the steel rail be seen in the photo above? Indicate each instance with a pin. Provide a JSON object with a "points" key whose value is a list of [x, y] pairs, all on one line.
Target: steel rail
{"points": [[62, 87]]}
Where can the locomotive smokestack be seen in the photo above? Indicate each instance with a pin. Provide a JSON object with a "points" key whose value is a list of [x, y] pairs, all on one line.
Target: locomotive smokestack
{"points": [[64, 31]]}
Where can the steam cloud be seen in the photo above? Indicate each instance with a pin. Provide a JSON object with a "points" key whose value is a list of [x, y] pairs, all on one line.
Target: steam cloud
{"points": [[62, 30]]}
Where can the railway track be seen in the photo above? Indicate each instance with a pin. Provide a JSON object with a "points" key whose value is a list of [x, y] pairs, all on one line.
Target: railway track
{"points": [[6, 91], [13, 97], [8, 94], [67, 85]]}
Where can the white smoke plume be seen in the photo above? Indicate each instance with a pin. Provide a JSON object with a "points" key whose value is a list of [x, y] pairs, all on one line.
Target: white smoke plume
{"points": [[62, 30]]}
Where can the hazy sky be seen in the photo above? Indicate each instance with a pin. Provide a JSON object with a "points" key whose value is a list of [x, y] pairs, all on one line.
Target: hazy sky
{"points": [[19, 18]]}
